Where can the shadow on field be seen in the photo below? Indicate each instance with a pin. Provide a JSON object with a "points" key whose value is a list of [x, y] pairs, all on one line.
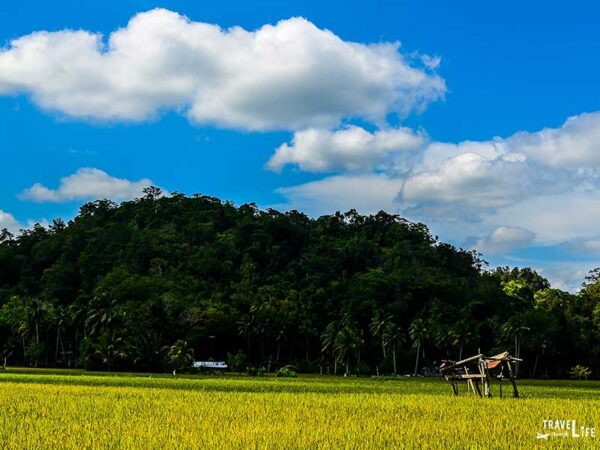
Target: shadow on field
{"points": [[316, 384]]}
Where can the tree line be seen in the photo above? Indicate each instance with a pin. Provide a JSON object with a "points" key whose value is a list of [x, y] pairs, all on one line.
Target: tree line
{"points": [[138, 285]]}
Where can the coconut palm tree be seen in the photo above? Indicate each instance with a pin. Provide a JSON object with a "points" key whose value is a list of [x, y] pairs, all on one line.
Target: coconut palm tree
{"points": [[101, 313], [329, 336], [377, 328], [328, 342], [460, 336], [110, 349], [347, 341], [418, 334], [515, 328], [393, 337], [247, 328], [180, 355]]}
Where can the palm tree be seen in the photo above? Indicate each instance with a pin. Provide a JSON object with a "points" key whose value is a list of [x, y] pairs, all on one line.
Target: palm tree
{"points": [[39, 312], [246, 328], [308, 329], [59, 319], [393, 336], [15, 313], [418, 334], [328, 338], [460, 336], [441, 336], [377, 328], [346, 342], [101, 314], [180, 356], [515, 328], [328, 341], [110, 349]]}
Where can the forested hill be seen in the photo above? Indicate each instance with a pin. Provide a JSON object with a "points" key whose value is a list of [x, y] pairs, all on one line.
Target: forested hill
{"points": [[140, 285]]}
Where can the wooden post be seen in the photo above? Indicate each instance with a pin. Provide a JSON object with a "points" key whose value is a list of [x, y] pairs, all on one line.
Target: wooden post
{"points": [[478, 388], [500, 385], [485, 378], [512, 380], [470, 386]]}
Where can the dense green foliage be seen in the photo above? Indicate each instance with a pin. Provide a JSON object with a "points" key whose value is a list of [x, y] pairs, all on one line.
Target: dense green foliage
{"points": [[147, 284]]}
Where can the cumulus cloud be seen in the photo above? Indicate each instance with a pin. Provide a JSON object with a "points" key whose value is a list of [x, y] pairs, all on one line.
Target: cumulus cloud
{"points": [[290, 75], [467, 179], [476, 178], [502, 240], [529, 189], [557, 218], [467, 183], [576, 144], [8, 221], [87, 183], [366, 193], [351, 148]]}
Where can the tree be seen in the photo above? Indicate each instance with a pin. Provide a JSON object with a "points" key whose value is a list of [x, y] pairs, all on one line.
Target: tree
{"points": [[237, 362], [14, 314], [109, 349], [347, 341], [514, 328], [377, 328], [460, 335], [152, 193], [418, 334], [520, 293], [247, 328], [59, 318], [180, 356], [101, 314], [328, 339], [119, 282], [393, 337], [525, 276], [580, 372]]}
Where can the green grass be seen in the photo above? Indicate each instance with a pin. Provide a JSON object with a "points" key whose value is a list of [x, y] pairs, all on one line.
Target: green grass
{"points": [[76, 409]]}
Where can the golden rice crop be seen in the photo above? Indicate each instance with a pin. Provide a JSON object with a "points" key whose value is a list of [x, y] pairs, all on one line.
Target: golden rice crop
{"points": [[64, 411]]}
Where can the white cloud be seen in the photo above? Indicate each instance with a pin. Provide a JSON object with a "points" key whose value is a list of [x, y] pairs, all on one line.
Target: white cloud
{"points": [[476, 178], [503, 239], [348, 149], [468, 180], [576, 144], [584, 246], [87, 183], [554, 218], [9, 222], [365, 193], [566, 276], [465, 184], [290, 75]]}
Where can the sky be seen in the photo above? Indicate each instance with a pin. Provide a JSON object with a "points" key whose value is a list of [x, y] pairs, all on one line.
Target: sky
{"points": [[480, 119]]}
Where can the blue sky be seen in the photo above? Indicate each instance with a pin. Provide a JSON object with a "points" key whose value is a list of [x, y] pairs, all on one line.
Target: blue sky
{"points": [[446, 128]]}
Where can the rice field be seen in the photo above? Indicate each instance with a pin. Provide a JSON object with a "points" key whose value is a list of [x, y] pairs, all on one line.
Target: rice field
{"points": [[72, 409]]}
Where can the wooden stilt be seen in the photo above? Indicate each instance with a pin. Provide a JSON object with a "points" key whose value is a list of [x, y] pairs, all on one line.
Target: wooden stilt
{"points": [[478, 388], [454, 388], [512, 380], [480, 370]]}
